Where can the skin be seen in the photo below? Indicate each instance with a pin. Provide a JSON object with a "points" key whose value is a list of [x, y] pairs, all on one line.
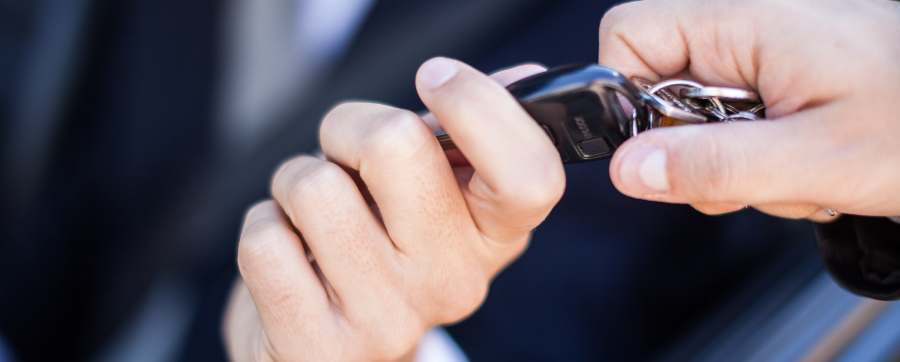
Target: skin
{"points": [[402, 238], [384, 236], [828, 73]]}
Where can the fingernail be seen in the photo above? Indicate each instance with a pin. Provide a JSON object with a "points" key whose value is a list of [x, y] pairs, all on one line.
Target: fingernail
{"points": [[436, 72], [643, 170]]}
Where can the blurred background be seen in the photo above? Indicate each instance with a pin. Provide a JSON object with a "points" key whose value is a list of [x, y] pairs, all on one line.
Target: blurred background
{"points": [[135, 133]]}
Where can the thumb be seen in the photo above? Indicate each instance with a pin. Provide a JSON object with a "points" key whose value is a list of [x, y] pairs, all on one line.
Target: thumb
{"points": [[751, 162]]}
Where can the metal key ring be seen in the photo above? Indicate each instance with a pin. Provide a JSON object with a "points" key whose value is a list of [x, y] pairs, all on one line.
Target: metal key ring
{"points": [[731, 94], [671, 83], [667, 108], [715, 95], [741, 116]]}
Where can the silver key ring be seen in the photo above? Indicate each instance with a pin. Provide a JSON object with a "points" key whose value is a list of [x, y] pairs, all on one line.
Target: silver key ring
{"points": [[713, 94], [673, 82], [728, 94], [669, 109], [720, 104]]}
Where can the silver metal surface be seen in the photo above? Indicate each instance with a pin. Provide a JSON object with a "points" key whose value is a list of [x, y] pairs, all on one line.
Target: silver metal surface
{"points": [[668, 104], [672, 83], [713, 104], [670, 110], [723, 93]]}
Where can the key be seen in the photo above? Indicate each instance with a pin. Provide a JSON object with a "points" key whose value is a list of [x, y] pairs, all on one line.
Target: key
{"points": [[580, 108]]}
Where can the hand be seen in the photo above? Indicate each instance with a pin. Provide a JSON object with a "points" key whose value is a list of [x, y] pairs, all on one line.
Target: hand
{"points": [[828, 72], [363, 252]]}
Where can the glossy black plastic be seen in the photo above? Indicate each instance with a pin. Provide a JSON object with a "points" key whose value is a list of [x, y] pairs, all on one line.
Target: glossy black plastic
{"points": [[580, 109]]}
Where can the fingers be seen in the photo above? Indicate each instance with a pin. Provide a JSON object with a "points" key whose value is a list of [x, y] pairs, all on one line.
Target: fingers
{"points": [[714, 167], [274, 268], [380, 270], [789, 162], [241, 327], [628, 45], [660, 39], [356, 257], [349, 244], [761, 162], [419, 199], [518, 174], [505, 77], [405, 171]]}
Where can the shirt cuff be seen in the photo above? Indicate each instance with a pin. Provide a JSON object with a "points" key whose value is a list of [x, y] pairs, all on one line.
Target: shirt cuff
{"points": [[5, 353], [438, 346]]}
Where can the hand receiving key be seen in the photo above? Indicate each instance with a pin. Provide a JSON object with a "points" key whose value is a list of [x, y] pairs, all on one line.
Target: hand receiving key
{"points": [[827, 71], [362, 252]]}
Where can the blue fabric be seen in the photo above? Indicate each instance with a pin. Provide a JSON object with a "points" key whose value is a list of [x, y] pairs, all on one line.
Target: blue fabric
{"points": [[5, 353], [880, 341]]}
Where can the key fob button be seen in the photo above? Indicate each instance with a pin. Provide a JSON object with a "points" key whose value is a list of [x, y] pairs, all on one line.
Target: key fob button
{"points": [[594, 148], [579, 108]]}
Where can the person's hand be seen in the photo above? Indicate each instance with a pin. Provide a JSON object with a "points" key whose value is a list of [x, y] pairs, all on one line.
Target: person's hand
{"points": [[361, 253], [829, 73]]}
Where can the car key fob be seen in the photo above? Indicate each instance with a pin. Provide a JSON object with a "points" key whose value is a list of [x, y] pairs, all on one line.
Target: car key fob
{"points": [[580, 107]]}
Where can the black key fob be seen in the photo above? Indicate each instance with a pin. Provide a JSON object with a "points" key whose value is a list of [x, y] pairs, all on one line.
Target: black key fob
{"points": [[580, 108]]}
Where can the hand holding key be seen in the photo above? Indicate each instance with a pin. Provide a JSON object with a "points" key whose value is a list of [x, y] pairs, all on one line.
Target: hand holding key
{"points": [[361, 253], [827, 71]]}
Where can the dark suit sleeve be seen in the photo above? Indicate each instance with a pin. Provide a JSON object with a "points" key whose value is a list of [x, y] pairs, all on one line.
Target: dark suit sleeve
{"points": [[863, 254]]}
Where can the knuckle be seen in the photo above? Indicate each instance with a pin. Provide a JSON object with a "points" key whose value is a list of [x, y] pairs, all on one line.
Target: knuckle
{"points": [[284, 175], [397, 338], [398, 134], [254, 252], [459, 296], [312, 183], [335, 116], [469, 299], [338, 110]]}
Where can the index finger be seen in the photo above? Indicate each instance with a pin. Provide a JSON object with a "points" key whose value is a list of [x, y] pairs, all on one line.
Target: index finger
{"points": [[518, 173], [661, 39]]}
